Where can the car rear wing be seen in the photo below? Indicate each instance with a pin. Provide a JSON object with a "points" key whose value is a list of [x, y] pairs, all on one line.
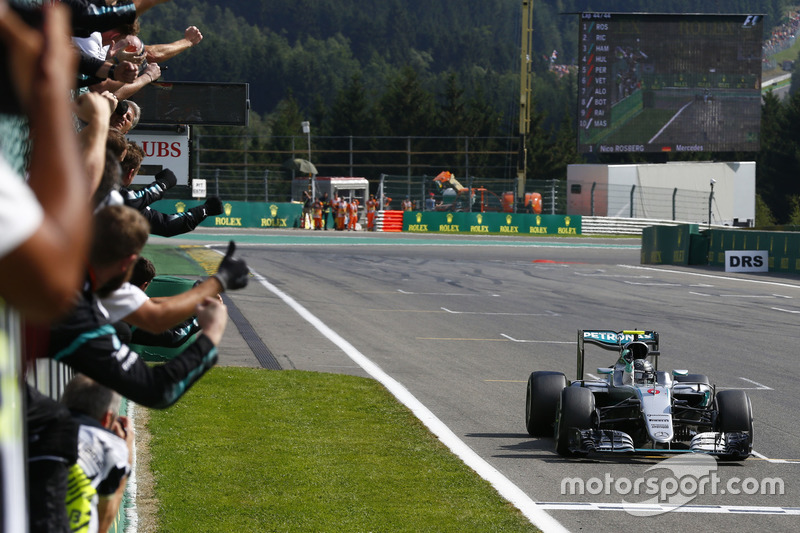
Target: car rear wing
{"points": [[614, 340]]}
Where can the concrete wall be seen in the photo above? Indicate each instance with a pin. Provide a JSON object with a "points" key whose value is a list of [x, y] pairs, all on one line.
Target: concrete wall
{"points": [[734, 190]]}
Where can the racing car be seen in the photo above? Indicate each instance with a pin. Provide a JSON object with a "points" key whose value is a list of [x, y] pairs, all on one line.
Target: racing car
{"points": [[634, 407]]}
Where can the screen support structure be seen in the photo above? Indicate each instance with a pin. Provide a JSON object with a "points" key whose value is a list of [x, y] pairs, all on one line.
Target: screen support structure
{"points": [[524, 94]]}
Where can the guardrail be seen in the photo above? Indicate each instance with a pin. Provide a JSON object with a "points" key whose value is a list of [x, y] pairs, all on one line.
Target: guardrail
{"points": [[629, 226]]}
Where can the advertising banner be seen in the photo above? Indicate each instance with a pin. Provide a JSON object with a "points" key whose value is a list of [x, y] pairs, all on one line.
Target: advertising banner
{"points": [[491, 223], [241, 214]]}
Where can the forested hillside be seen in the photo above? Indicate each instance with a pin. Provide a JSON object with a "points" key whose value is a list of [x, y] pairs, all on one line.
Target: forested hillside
{"points": [[431, 68], [313, 48]]}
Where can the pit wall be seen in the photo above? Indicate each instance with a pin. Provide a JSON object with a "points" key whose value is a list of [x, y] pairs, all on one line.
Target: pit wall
{"points": [[288, 215], [688, 244], [241, 214]]}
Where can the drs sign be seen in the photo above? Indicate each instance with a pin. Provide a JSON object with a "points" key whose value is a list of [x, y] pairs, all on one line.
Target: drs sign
{"points": [[746, 261], [162, 150]]}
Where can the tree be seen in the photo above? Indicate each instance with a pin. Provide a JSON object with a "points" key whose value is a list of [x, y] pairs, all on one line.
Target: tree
{"points": [[351, 112], [406, 107]]}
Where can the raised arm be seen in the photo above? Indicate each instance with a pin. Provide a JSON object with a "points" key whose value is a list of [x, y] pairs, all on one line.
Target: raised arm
{"points": [[40, 276]]}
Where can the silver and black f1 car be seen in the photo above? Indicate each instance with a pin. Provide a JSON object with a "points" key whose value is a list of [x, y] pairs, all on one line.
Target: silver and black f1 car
{"points": [[634, 407]]}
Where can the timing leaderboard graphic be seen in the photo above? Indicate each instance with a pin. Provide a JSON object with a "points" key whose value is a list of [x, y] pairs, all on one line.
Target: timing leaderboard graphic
{"points": [[669, 83]]}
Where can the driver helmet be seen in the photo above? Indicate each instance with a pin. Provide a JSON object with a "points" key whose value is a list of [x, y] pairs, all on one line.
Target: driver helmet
{"points": [[643, 372], [638, 349]]}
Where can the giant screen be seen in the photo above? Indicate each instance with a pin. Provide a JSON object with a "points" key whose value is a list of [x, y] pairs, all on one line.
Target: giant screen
{"points": [[669, 83]]}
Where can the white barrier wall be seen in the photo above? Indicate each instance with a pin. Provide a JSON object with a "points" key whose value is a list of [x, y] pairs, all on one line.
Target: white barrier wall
{"points": [[734, 190]]}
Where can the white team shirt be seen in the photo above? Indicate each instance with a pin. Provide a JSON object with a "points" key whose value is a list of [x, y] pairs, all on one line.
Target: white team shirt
{"points": [[123, 301], [20, 212]]}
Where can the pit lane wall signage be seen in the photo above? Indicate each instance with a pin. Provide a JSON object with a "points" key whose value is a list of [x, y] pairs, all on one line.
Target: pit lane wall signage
{"points": [[685, 244], [491, 223], [782, 247], [666, 245], [241, 214]]}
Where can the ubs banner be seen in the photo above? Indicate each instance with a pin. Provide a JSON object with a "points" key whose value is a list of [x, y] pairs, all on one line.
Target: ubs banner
{"points": [[502, 223], [241, 214]]}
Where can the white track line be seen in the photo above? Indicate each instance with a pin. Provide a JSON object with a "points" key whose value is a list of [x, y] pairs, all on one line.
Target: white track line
{"points": [[546, 313], [132, 512], [663, 508], [712, 276], [504, 486], [512, 339]]}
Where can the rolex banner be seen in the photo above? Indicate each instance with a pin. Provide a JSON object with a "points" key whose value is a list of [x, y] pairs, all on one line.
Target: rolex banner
{"points": [[491, 223], [241, 214]]}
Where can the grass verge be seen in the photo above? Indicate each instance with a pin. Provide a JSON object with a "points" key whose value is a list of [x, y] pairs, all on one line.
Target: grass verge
{"points": [[258, 450], [169, 259]]}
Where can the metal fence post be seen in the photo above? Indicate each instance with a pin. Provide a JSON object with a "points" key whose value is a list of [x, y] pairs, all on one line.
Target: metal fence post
{"points": [[266, 186], [553, 197], [381, 193], [594, 185], [633, 188], [197, 155], [466, 156], [674, 195], [216, 180], [244, 140], [471, 195], [351, 159], [408, 160]]}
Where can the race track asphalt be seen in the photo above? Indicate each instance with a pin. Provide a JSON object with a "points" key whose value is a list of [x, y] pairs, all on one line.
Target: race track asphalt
{"points": [[461, 322]]}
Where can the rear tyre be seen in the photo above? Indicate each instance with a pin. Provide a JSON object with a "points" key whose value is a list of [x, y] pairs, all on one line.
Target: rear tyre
{"points": [[693, 378], [575, 411], [541, 401], [735, 413]]}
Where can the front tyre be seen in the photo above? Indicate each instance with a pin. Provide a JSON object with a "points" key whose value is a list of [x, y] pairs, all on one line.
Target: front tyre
{"points": [[735, 414], [541, 401], [575, 411]]}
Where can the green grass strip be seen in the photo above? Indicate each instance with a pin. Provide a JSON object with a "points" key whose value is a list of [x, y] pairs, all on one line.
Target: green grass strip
{"points": [[171, 260], [258, 450]]}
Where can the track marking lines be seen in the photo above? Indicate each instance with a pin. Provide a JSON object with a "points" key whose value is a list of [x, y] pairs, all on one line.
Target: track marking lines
{"points": [[512, 339], [770, 296], [602, 274], [504, 486], [458, 339], [652, 284], [776, 461], [758, 385], [712, 276], [664, 508], [546, 313], [792, 311], [401, 291]]}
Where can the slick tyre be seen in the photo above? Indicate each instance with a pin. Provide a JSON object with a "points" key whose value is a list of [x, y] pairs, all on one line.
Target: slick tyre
{"points": [[541, 401], [735, 413], [576, 410]]}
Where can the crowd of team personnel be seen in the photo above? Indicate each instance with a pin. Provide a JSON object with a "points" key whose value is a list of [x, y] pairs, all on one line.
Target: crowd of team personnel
{"points": [[338, 213], [70, 260]]}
